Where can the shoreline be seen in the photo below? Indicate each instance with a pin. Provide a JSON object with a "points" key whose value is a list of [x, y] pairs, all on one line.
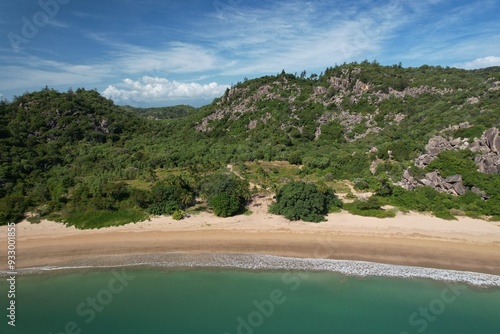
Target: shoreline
{"points": [[413, 240], [259, 263]]}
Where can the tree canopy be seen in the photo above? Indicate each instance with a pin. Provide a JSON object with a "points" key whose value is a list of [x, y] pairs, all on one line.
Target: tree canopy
{"points": [[299, 200]]}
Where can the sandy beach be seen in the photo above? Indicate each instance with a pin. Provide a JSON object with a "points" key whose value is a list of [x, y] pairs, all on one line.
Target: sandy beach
{"points": [[408, 239]]}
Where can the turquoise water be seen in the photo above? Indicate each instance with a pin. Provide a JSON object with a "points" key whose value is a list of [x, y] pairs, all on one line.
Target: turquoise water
{"points": [[158, 301]]}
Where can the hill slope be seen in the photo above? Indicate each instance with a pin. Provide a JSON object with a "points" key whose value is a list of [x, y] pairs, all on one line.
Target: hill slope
{"points": [[372, 124]]}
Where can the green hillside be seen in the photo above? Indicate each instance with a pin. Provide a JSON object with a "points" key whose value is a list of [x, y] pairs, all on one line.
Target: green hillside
{"points": [[162, 112], [77, 157]]}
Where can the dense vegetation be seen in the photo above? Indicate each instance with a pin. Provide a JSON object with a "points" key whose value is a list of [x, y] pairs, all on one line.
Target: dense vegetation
{"points": [[162, 112], [226, 194], [303, 201], [77, 157]]}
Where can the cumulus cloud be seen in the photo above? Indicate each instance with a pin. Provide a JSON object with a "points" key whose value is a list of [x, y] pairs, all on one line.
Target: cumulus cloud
{"points": [[480, 63], [154, 89]]}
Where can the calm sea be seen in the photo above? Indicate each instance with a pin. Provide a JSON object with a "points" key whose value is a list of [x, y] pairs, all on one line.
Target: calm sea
{"points": [[207, 301]]}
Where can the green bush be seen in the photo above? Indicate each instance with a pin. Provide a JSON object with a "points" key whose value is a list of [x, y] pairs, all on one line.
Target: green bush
{"points": [[170, 195], [224, 205], [226, 194], [299, 200], [178, 214], [295, 159], [102, 218], [225, 183], [360, 184], [369, 208], [12, 208], [371, 203]]}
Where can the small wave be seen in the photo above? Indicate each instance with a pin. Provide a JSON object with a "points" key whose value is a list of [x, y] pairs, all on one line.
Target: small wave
{"points": [[269, 262]]}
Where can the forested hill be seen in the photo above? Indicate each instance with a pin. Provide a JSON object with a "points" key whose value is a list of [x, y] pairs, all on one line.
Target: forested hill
{"points": [[395, 108], [162, 112], [45, 129], [69, 152]]}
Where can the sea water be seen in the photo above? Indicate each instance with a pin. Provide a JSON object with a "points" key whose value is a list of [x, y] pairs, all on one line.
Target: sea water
{"points": [[209, 300]]}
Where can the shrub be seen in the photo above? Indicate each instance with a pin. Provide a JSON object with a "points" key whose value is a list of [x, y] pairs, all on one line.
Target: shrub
{"points": [[360, 184], [371, 203], [178, 214], [363, 208], [385, 189], [226, 194], [224, 205], [299, 200], [295, 159], [225, 183], [102, 218], [12, 208], [170, 195]]}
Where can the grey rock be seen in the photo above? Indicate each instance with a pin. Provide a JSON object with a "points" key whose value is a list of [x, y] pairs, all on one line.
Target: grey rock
{"points": [[320, 90], [423, 160], [447, 185], [436, 145], [465, 145], [426, 182], [493, 140], [427, 160], [434, 178], [434, 151], [484, 149], [464, 125], [480, 192], [459, 188], [488, 161], [453, 178]]}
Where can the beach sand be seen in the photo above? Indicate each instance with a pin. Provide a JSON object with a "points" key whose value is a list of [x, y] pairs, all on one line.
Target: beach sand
{"points": [[408, 239]]}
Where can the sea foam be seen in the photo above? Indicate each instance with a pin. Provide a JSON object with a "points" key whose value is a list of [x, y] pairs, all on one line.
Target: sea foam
{"points": [[269, 262]]}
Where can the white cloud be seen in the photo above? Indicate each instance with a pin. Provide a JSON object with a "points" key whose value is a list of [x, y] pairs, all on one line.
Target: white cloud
{"points": [[154, 89], [177, 58], [52, 73], [173, 57], [480, 63], [57, 24], [297, 35]]}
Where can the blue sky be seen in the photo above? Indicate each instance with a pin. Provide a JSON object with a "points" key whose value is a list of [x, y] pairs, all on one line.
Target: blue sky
{"points": [[161, 52]]}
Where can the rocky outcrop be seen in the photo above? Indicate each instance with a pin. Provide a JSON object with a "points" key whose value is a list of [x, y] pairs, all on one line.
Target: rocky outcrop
{"points": [[463, 125], [413, 92], [488, 148], [481, 193], [493, 139], [452, 184], [437, 145]]}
